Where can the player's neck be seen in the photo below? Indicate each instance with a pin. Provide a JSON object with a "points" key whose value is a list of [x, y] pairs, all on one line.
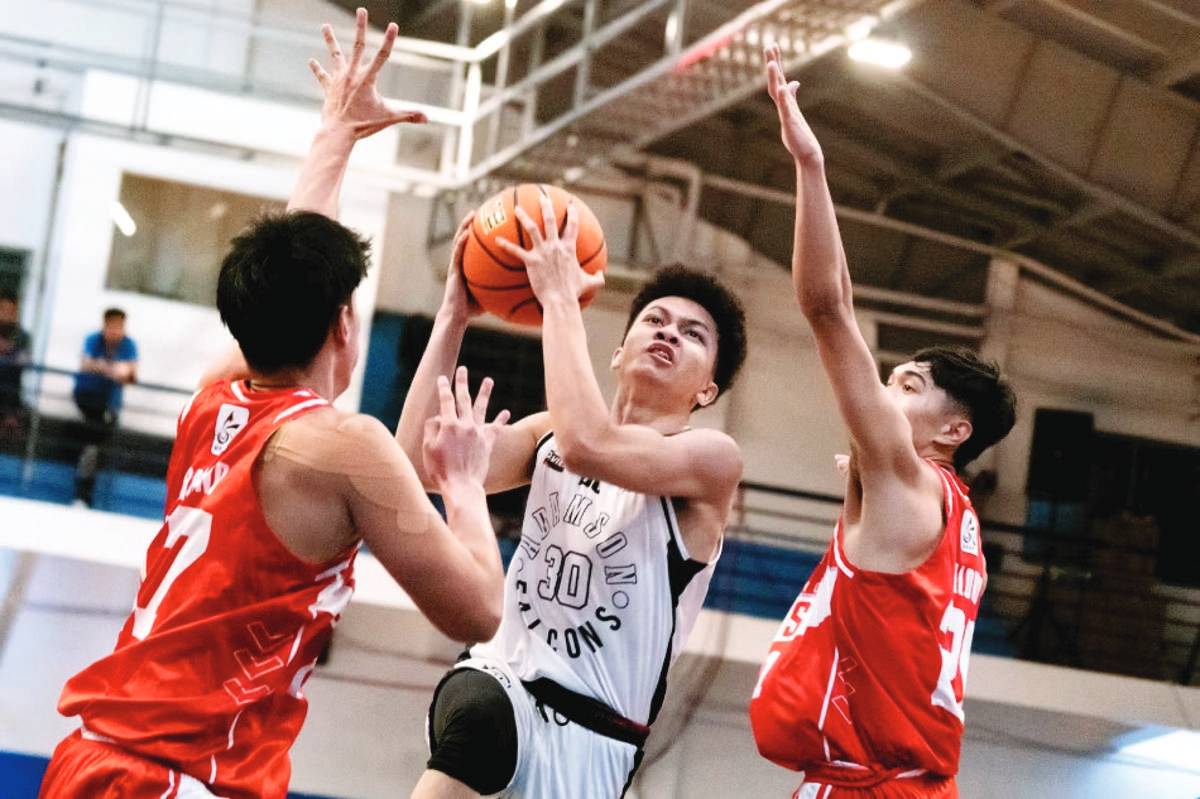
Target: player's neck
{"points": [[314, 380], [647, 408]]}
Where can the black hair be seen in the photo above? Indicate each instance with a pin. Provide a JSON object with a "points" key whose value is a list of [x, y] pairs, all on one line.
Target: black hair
{"points": [[977, 386], [8, 295], [677, 280], [113, 313], [282, 283]]}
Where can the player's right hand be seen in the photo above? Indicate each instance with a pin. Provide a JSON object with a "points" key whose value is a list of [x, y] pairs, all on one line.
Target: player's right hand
{"points": [[458, 441], [457, 301]]}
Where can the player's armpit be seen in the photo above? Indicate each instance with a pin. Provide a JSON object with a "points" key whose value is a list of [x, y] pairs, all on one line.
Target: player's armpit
{"points": [[511, 465]]}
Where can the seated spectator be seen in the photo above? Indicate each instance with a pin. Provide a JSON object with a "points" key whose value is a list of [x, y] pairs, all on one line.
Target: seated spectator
{"points": [[109, 362], [14, 355]]}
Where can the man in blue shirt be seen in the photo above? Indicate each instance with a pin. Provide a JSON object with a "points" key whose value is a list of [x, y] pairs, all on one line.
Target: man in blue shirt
{"points": [[109, 362]]}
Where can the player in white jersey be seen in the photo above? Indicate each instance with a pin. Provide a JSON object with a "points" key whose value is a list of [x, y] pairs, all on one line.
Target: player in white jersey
{"points": [[623, 526]]}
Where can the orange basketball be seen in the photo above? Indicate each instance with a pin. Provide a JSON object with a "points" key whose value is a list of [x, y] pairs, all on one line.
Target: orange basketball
{"points": [[496, 278]]}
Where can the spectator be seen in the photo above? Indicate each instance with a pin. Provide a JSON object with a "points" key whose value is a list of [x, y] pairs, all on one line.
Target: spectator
{"points": [[14, 355], [109, 362]]}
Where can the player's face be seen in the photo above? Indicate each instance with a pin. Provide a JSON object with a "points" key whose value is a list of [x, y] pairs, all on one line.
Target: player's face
{"points": [[929, 409], [8, 312], [672, 341]]}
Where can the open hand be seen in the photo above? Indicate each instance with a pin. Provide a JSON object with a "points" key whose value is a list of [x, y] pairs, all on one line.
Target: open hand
{"points": [[458, 441], [457, 301], [351, 100], [797, 136], [551, 261]]}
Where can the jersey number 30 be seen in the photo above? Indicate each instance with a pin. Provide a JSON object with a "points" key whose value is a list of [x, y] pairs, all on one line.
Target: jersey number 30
{"points": [[188, 531], [955, 660]]}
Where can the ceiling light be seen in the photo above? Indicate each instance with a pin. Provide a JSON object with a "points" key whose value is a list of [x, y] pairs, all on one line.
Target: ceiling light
{"points": [[482, 2], [510, 4], [123, 220], [880, 52], [572, 174]]}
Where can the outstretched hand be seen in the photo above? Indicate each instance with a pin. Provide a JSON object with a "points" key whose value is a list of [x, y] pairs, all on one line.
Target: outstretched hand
{"points": [[351, 98], [551, 260], [458, 441], [797, 136]]}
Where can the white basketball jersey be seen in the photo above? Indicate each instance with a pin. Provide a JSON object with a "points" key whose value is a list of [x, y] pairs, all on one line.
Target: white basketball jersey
{"points": [[601, 593]]}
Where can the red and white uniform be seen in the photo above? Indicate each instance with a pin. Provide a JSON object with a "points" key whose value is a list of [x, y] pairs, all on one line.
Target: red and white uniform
{"points": [[207, 677], [862, 688]]}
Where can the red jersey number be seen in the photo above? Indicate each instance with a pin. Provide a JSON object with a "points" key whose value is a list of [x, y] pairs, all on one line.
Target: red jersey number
{"points": [[188, 531]]}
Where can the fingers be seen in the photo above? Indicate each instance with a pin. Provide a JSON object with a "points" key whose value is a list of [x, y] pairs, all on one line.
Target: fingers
{"points": [[462, 393], [501, 418], [531, 228], [571, 229], [335, 50], [445, 398], [385, 52], [319, 71], [512, 249], [549, 223], [481, 400], [360, 40]]}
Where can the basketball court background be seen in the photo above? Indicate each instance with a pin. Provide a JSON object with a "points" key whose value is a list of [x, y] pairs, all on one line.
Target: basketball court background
{"points": [[1028, 183]]}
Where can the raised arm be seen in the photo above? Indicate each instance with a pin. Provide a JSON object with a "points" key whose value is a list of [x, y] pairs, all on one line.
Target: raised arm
{"points": [[353, 109], [821, 279], [512, 455], [701, 464]]}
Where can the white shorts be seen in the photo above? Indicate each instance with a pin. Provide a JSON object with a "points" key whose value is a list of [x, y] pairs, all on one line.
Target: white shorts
{"points": [[557, 758]]}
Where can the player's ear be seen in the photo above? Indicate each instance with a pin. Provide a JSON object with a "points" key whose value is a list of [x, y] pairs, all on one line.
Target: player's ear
{"points": [[707, 395], [616, 358], [343, 324], [955, 430]]}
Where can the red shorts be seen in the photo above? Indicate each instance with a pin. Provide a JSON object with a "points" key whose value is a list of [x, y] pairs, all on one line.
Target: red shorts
{"points": [[87, 768], [923, 787]]}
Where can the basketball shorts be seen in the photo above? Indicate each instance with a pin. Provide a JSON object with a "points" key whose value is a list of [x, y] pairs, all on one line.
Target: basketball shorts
{"points": [[487, 731], [99, 770]]}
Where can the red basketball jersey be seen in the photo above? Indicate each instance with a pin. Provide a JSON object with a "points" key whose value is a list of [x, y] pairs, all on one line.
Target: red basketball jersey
{"points": [[209, 669], [864, 681]]}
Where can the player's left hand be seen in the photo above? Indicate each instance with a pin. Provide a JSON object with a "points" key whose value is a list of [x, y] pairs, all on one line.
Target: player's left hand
{"points": [[797, 136], [551, 261], [351, 100]]}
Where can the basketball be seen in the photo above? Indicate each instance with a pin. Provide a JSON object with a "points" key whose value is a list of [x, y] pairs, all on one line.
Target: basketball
{"points": [[496, 279]]}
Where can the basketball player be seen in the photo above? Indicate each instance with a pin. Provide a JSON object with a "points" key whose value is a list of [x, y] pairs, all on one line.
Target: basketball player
{"points": [[624, 523], [862, 689], [270, 493]]}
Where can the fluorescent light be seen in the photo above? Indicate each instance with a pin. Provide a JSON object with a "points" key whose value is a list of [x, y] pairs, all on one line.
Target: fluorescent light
{"points": [[880, 52], [572, 174], [672, 27], [1173, 748], [122, 219], [482, 2], [510, 4]]}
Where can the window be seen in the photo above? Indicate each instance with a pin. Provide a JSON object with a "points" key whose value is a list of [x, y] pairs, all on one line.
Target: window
{"points": [[170, 237]]}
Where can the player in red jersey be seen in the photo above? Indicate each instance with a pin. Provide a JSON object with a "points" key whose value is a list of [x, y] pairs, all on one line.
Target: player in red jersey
{"points": [[862, 688], [270, 492]]}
